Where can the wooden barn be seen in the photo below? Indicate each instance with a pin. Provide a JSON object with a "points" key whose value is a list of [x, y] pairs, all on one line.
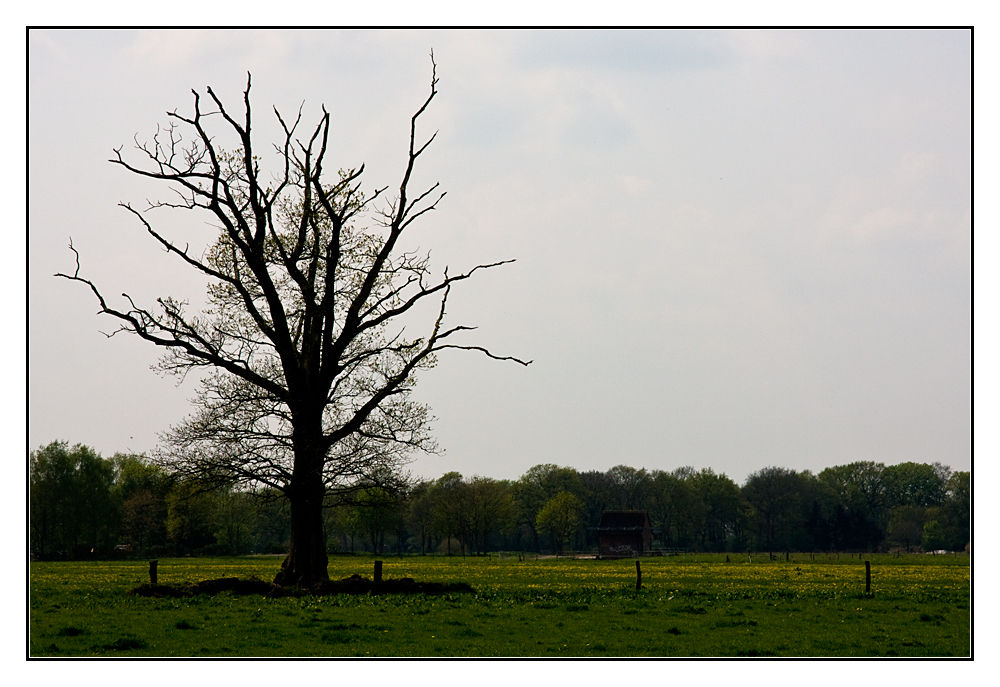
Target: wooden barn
{"points": [[624, 534]]}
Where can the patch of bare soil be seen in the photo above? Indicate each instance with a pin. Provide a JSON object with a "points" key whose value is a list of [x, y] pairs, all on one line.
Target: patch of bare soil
{"points": [[355, 584]]}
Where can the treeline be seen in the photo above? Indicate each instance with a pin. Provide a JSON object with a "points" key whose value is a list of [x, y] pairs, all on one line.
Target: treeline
{"points": [[82, 505]]}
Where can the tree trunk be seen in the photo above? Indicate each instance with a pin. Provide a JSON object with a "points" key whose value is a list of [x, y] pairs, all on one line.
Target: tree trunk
{"points": [[306, 562]]}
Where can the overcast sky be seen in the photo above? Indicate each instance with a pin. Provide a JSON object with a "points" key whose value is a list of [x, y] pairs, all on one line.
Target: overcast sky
{"points": [[734, 249]]}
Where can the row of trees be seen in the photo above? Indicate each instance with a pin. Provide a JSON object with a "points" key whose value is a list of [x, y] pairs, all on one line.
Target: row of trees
{"points": [[83, 505]]}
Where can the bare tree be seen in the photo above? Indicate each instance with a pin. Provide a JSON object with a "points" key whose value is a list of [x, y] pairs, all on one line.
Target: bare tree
{"points": [[307, 370]]}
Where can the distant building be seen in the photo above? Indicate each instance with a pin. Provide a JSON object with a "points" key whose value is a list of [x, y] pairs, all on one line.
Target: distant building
{"points": [[624, 534]]}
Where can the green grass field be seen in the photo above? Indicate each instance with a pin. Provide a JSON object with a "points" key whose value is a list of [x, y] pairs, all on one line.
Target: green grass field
{"points": [[690, 605]]}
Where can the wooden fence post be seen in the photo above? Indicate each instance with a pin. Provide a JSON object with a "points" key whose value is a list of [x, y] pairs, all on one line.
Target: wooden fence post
{"points": [[868, 577], [378, 572], [152, 572], [638, 576]]}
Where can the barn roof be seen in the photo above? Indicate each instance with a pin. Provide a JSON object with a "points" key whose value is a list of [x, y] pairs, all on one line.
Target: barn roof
{"points": [[624, 519]]}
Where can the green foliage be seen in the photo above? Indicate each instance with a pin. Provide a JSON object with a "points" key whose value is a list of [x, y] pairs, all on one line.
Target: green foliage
{"points": [[235, 517], [717, 511], [493, 510], [376, 511], [420, 514], [192, 516], [957, 510], [671, 505], [627, 487], [861, 492], [934, 536], [71, 512], [906, 526], [775, 498], [916, 484], [450, 515], [141, 490], [539, 484], [560, 517]]}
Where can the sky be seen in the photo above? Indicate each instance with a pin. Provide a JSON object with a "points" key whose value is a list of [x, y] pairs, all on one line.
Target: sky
{"points": [[734, 249]]}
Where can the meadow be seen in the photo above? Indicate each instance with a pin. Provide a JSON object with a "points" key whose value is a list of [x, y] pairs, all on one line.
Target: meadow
{"points": [[689, 605]]}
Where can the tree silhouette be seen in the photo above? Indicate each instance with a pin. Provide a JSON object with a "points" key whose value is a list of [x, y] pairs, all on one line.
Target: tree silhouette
{"points": [[307, 369]]}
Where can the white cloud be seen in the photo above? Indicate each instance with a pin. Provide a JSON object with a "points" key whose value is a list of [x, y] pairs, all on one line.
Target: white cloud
{"points": [[635, 186], [901, 207]]}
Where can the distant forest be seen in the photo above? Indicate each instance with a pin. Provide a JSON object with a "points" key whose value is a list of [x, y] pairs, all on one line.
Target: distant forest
{"points": [[82, 506]]}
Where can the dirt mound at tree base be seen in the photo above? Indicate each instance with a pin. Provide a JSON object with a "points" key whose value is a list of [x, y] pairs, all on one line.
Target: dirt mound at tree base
{"points": [[355, 584]]}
